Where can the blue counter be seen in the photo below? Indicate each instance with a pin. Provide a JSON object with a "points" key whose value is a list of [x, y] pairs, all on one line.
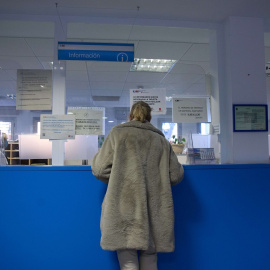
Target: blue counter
{"points": [[49, 219]]}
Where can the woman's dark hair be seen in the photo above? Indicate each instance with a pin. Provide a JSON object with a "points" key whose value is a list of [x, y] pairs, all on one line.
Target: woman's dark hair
{"points": [[140, 111]]}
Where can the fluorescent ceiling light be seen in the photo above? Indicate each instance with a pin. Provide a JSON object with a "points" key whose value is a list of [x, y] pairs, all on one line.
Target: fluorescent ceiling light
{"points": [[152, 65], [11, 96]]}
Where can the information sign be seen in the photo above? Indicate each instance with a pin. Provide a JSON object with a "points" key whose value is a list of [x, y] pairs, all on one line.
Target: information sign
{"points": [[155, 98], [57, 127], [85, 51]]}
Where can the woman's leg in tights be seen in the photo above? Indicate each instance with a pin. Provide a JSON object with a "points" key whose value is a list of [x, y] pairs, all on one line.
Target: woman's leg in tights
{"points": [[148, 260], [128, 259]]}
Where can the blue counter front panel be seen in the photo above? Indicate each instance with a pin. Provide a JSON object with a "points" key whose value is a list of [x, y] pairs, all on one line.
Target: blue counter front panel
{"points": [[49, 219]]}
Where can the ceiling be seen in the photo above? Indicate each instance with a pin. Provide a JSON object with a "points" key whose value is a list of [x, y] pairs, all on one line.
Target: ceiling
{"points": [[27, 42], [192, 10]]}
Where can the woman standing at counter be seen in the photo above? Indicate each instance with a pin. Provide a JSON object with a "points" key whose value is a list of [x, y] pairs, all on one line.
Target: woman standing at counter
{"points": [[139, 166]]}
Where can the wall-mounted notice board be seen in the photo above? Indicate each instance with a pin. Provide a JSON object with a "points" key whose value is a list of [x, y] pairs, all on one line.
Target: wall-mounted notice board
{"points": [[250, 118]]}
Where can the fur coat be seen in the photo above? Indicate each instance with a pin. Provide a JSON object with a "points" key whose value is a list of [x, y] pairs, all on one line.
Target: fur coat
{"points": [[139, 165]]}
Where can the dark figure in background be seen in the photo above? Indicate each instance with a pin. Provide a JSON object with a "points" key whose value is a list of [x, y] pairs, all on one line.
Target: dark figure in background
{"points": [[5, 146], [139, 165]]}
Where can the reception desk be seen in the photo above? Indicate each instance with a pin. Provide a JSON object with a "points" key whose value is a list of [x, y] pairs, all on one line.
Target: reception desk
{"points": [[49, 219]]}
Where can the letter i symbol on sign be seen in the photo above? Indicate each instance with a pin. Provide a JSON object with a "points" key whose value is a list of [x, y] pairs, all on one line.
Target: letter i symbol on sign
{"points": [[122, 57]]}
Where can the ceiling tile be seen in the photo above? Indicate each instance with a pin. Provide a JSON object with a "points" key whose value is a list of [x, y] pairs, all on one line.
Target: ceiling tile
{"points": [[108, 76], [46, 61], [195, 89], [106, 92], [20, 28], [182, 78], [5, 76], [145, 76], [106, 86], [198, 52], [107, 66], [186, 89], [14, 47], [161, 50], [12, 73], [77, 86], [175, 34], [76, 75], [187, 68], [75, 65], [98, 31], [41, 46], [20, 62], [8, 86]]}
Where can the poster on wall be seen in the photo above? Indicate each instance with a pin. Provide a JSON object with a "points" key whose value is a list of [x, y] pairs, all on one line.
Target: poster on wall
{"points": [[191, 110], [156, 98], [88, 120], [57, 127], [34, 89]]}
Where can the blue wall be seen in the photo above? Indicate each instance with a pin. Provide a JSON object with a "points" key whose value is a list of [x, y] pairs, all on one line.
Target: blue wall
{"points": [[49, 219]]}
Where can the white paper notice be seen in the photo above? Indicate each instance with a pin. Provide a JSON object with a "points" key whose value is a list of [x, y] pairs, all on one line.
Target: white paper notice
{"points": [[155, 98], [190, 110], [88, 120], [250, 118], [57, 127], [34, 89]]}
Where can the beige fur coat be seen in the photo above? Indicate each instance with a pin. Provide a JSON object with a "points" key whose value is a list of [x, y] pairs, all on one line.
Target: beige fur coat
{"points": [[139, 166]]}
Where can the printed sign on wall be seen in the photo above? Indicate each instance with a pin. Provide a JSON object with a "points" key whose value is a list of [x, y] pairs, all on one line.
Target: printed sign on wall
{"points": [[57, 127], [88, 120], [191, 110], [155, 98], [34, 89]]}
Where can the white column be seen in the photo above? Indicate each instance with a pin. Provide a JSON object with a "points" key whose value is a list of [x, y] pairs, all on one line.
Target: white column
{"points": [[59, 92], [241, 74], [213, 78]]}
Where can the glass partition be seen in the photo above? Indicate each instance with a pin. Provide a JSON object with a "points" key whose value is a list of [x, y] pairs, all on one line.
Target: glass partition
{"points": [[97, 84]]}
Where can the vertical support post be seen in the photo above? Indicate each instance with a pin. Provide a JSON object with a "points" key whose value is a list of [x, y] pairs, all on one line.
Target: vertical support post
{"points": [[240, 46], [59, 91]]}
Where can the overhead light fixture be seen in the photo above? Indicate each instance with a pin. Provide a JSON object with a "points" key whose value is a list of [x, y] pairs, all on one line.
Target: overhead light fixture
{"points": [[152, 65], [11, 96]]}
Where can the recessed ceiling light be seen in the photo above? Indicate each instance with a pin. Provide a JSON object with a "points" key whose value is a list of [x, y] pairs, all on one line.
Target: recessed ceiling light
{"points": [[110, 121], [152, 65]]}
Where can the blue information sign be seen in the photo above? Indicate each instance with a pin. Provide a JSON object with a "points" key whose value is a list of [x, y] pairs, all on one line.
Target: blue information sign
{"points": [[118, 52]]}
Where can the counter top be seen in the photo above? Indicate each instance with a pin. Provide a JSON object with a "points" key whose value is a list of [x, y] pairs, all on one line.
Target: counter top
{"points": [[88, 168]]}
